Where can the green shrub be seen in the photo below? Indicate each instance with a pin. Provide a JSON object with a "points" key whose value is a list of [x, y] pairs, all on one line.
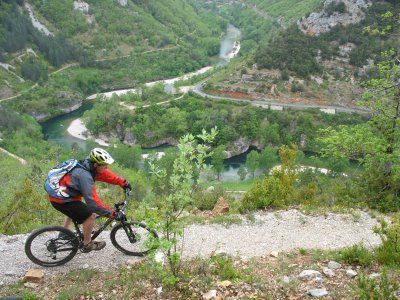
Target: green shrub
{"points": [[389, 252], [382, 288], [224, 268], [356, 254], [276, 190], [205, 200]]}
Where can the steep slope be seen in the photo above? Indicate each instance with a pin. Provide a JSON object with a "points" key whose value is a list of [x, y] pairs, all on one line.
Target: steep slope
{"points": [[321, 60], [107, 45]]}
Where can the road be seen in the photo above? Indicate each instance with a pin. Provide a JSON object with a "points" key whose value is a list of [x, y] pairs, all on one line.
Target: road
{"points": [[268, 102]]}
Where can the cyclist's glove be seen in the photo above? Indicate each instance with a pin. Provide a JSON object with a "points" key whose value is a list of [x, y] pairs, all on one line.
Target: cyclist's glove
{"points": [[127, 186]]}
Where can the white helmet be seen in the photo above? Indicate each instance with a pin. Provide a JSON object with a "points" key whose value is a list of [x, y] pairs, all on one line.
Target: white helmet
{"points": [[100, 156]]}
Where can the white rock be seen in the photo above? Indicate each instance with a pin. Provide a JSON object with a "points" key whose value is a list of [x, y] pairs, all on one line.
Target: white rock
{"points": [[274, 254], [309, 274], [210, 188], [328, 272], [159, 290], [318, 292], [85, 266], [351, 273], [334, 265], [211, 294]]}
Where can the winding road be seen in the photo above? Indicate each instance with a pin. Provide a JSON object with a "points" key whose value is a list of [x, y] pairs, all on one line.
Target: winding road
{"points": [[271, 103]]}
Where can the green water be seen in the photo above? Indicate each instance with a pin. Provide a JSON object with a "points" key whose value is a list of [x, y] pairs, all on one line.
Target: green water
{"points": [[55, 129]]}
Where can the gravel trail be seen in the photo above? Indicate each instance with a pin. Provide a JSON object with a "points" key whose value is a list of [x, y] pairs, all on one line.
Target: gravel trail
{"points": [[269, 231]]}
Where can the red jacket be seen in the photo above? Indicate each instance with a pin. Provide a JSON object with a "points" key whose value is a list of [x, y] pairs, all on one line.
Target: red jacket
{"points": [[79, 183]]}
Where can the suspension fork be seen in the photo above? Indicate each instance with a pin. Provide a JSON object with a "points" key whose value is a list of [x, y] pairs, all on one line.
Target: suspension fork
{"points": [[128, 230]]}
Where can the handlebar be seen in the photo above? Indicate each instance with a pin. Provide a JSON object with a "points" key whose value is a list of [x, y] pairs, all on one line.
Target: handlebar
{"points": [[124, 203]]}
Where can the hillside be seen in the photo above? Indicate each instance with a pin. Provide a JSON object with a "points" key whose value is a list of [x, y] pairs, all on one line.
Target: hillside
{"points": [[103, 45], [322, 59]]}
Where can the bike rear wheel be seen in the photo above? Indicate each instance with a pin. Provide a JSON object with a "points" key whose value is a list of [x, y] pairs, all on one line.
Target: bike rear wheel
{"points": [[51, 246], [133, 238]]}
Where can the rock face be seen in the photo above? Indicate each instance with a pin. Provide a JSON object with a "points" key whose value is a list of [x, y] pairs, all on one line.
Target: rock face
{"points": [[320, 22]]}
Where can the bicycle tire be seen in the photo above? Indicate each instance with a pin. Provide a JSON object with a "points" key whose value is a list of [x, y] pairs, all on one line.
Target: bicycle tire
{"points": [[116, 231], [69, 240]]}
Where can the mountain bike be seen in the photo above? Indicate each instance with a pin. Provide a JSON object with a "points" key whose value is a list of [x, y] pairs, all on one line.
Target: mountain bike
{"points": [[52, 246]]}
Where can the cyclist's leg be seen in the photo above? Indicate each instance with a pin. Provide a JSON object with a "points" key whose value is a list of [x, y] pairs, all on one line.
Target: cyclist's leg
{"points": [[88, 225], [67, 222]]}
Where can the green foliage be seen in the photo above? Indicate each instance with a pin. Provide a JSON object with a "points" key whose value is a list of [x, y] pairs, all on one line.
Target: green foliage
{"points": [[388, 253], [356, 255], [294, 51], [224, 268], [17, 31], [126, 155], [275, 190], [217, 160], [242, 172], [334, 6], [206, 199], [15, 218], [174, 194], [376, 289], [376, 143], [252, 161], [291, 50]]}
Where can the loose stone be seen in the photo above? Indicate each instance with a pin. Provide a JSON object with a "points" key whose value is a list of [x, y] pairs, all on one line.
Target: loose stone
{"points": [[318, 292], [334, 265], [309, 274]]}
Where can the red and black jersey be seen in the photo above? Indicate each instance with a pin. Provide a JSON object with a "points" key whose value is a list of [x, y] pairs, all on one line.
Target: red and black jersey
{"points": [[79, 182]]}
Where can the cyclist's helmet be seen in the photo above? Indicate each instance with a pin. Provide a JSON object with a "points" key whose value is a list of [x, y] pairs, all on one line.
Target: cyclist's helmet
{"points": [[100, 156]]}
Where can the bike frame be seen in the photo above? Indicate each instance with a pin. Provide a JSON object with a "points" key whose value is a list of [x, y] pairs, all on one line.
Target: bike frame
{"points": [[123, 221]]}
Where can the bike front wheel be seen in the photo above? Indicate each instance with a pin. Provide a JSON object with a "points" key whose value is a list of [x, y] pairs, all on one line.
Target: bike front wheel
{"points": [[133, 238], [51, 246]]}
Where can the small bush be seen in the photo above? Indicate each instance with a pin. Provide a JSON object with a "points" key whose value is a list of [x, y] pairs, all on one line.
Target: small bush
{"points": [[389, 252], [356, 255], [224, 268], [382, 288], [297, 87], [205, 200]]}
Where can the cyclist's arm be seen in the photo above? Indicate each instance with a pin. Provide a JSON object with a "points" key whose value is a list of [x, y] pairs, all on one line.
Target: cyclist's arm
{"points": [[93, 200], [109, 177]]}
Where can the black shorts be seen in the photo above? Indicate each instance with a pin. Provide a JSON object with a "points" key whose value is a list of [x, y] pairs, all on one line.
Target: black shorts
{"points": [[76, 210]]}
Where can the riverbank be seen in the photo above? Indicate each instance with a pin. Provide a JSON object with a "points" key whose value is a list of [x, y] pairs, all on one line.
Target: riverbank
{"points": [[78, 130]]}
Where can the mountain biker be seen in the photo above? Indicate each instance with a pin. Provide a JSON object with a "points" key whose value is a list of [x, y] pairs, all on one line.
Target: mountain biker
{"points": [[78, 183]]}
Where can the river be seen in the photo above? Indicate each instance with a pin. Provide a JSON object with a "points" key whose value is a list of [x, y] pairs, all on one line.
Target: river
{"points": [[55, 130]]}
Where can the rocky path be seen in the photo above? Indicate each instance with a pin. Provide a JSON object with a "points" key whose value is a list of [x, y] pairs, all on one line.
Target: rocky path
{"points": [[269, 231]]}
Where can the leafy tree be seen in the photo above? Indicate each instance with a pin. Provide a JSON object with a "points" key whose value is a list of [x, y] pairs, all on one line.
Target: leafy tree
{"points": [[268, 158], [217, 160], [375, 143], [175, 194], [126, 155], [252, 161], [242, 172]]}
